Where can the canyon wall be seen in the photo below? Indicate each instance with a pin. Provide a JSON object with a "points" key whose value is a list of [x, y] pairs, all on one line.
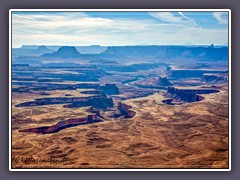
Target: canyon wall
{"points": [[63, 125], [125, 110], [98, 101], [110, 89], [212, 78], [163, 81], [186, 95], [188, 73]]}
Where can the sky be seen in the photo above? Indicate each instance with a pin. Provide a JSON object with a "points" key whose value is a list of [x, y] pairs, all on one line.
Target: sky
{"points": [[119, 28]]}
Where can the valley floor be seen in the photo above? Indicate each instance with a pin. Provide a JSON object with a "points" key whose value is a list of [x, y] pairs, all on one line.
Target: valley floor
{"points": [[192, 135]]}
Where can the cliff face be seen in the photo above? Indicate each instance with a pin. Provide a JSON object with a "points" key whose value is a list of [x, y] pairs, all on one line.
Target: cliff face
{"points": [[20, 89], [110, 89], [186, 95], [34, 52], [92, 92], [182, 73], [63, 125], [210, 78], [98, 101], [174, 90], [163, 82], [125, 110]]}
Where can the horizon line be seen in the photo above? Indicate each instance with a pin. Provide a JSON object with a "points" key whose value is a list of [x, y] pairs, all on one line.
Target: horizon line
{"points": [[119, 45]]}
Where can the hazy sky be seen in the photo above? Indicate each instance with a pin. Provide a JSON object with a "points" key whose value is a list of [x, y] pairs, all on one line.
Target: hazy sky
{"points": [[119, 28]]}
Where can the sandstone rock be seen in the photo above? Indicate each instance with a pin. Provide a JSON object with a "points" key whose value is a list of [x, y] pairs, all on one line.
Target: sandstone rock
{"points": [[163, 81], [212, 78], [125, 110], [186, 95], [63, 125]]}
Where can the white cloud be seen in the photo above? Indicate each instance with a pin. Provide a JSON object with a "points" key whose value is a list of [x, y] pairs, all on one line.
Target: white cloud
{"points": [[81, 29], [24, 17], [189, 19], [166, 16], [170, 18], [221, 17]]}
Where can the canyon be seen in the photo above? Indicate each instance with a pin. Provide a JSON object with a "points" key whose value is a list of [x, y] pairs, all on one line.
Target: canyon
{"points": [[63, 125], [121, 106], [122, 110], [186, 95]]}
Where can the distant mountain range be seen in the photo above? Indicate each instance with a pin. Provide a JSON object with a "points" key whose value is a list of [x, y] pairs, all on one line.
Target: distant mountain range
{"points": [[18, 52], [93, 49], [209, 53], [206, 53], [63, 52]]}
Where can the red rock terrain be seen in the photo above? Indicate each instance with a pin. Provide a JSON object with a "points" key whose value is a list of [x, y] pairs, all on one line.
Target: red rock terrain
{"points": [[192, 135]]}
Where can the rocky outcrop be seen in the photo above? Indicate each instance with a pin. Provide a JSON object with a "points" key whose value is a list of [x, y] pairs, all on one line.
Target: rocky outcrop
{"points": [[124, 110], [168, 101], [95, 111], [187, 73], [44, 49], [55, 100], [186, 95], [98, 101], [110, 89], [34, 52], [63, 125], [63, 52], [153, 83], [20, 89], [215, 79], [92, 92], [163, 82]]}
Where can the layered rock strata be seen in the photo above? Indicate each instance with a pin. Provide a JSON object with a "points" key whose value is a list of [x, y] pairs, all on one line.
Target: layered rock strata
{"points": [[110, 89], [186, 95], [99, 101], [63, 125], [212, 78], [124, 110]]}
